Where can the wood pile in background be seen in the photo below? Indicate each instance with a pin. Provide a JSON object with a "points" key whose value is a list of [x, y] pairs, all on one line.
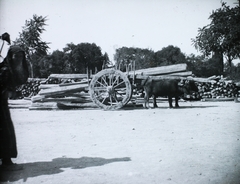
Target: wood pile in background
{"points": [[222, 89], [29, 89]]}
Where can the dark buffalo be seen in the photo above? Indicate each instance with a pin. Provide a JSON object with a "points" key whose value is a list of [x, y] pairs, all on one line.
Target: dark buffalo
{"points": [[13, 72], [166, 87]]}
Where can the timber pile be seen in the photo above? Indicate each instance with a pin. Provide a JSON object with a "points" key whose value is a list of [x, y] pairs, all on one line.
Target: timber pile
{"points": [[27, 90], [62, 91], [177, 71], [221, 90]]}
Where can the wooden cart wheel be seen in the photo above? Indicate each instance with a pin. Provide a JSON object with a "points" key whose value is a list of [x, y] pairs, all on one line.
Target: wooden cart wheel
{"points": [[110, 89]]}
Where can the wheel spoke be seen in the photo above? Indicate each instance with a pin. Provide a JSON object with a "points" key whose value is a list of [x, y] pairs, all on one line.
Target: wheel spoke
{"points": [[101, 84], [119, 84], [117, 78], [103, 100], [99, 95], [116, 99], [110, 97], [110, 79], [104, 80]]}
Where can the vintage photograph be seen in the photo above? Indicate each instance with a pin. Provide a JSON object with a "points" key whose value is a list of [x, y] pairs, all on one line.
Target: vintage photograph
{"points": [[120, 92]]}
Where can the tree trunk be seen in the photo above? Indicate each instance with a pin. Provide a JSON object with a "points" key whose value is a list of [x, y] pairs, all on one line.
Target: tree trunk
{"points": [[31, 69], [229, 60], [218, 57]]}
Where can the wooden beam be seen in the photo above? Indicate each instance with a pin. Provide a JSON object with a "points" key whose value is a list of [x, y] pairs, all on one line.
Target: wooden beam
{"points": [[39, 98], [160, 77], [61, 90], [68, 76], [182, 74], [161, 70]]}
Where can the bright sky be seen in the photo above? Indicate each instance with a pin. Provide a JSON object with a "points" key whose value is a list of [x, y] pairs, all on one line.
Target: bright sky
{"points": [[112, 24]]}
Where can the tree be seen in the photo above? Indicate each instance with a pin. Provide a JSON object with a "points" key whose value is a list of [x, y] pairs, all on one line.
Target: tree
{"points": [[30, 40], [222, 35], [143, 58], [85, 56], [169, 55], [106, 61], [234, 73], [53, 63], [68, 56], [202, 66]]}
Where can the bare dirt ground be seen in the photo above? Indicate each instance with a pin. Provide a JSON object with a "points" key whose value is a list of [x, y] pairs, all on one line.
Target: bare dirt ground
{"points": [[199, 143]]}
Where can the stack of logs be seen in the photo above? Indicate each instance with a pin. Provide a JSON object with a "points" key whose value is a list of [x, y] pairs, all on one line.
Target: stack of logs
{"points": [[220, 89], [31, 88], [62, 90]]}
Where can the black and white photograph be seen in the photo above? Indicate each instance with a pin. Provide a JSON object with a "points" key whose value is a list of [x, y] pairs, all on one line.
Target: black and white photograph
{"points": [[120, 91]]}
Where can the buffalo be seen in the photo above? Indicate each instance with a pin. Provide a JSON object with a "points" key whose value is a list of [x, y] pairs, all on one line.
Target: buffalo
{"points": [[13, 72], [166, 87]]}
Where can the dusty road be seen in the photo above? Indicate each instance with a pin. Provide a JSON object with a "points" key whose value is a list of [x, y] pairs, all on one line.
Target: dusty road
{"points": [[196, 144]]}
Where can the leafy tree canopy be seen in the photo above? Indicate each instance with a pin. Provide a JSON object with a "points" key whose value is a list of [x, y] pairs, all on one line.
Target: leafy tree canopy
{"points": [[222, 35], [86, 55], [141, 58], [169, 55]]}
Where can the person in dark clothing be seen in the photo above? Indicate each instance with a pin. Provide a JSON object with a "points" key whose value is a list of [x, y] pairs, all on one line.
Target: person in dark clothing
{"points": [[13, 72]]}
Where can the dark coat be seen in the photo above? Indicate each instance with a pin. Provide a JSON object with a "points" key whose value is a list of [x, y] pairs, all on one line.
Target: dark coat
{"points": [[13, 71]]}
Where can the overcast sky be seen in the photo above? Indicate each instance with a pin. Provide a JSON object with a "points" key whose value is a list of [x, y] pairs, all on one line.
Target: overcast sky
{"points": [[112, 24]]}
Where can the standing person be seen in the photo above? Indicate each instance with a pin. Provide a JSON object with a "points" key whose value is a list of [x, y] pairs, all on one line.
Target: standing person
{"points": [[13, 72]]}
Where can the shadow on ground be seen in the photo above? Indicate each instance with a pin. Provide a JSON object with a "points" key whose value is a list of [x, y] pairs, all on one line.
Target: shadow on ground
{"points": [[167, 107], [54, 167]]}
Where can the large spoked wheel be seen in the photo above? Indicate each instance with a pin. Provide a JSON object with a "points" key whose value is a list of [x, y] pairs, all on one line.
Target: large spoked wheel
{"points": [[110, 89]]}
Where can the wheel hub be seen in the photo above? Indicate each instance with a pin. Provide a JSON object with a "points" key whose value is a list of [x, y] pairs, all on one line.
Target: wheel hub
{"points": [[110, 90]]}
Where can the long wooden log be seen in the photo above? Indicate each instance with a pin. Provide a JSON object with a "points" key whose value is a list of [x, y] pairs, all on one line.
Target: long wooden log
{"points": [[36, 79], [19, 103], [182, 74], [143, 77], [75, 83], [65, 105], [81, 95], [200, 79], [43, 106], [63, 89], [73, 99], [68, 76], [37, 98], [161, 70], [47, 86], [196, 79]]}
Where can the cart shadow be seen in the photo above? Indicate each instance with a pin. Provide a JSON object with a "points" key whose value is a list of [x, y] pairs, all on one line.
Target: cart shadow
{"points": [[167, 107], [55, 166]]}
